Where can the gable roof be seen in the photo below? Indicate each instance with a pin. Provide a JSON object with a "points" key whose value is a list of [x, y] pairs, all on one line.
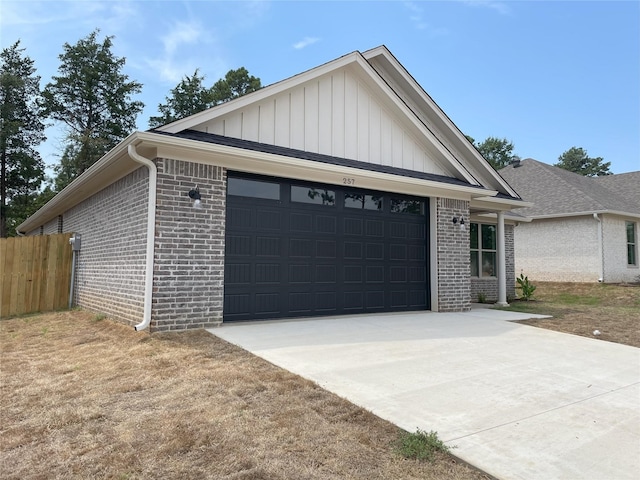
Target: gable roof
{"points": [[556, 192], [374, 91]]}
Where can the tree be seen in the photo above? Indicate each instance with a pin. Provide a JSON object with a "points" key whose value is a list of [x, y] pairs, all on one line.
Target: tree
{"points": [[92, 97], [235, 83], [22, 129], [498, 152], [576, 160], [190, 96]]}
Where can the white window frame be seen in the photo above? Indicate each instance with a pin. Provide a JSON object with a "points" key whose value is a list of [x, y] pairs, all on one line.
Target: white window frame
{"points": [[632, 245], [481, 249]]}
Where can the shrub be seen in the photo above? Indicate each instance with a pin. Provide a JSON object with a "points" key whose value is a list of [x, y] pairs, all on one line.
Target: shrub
{"points": [[482, 298], [420, 445], [526, 287]]}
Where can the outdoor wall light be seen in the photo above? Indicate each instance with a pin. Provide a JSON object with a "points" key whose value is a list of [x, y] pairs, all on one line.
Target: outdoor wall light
{"points": [[195, 196], [461, 220]]}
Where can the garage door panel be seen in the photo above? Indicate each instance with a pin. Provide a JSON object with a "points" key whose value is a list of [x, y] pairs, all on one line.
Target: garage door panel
{"points": [[326, 225], [326, 274], [267, 304], [268, 273], [375, 300], [300, 247], [268, 247], [268, 220], [239, 245], [353, 226]]}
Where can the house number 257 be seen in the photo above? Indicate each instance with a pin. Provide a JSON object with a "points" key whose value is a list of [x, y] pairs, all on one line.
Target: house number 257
{"points": [[348, 181]]}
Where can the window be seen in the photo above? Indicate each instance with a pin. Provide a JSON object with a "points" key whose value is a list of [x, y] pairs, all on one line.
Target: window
{"points": [[317, 196], [360, 200], [483, 250], [632, 244], [244, 187], [399, 205]]}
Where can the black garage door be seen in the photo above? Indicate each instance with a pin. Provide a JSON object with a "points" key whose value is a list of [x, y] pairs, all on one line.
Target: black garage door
{"points": [[296, 249]]}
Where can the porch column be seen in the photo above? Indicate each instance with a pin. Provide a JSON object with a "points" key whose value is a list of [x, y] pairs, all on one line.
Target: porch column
{"points": [[502, 270]]}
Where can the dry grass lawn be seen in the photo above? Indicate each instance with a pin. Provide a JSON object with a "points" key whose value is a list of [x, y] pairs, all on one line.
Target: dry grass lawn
{"points": [[581, 308], [84, 397]]}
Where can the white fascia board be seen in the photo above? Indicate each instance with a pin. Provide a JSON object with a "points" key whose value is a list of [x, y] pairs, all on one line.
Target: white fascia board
{"points": [[251, 161], [587, 213], [444, 119], [480, 217], [496, 203]]}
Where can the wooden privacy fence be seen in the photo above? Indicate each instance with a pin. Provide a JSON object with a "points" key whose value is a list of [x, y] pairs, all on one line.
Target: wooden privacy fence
{"points": [[35, 274]]}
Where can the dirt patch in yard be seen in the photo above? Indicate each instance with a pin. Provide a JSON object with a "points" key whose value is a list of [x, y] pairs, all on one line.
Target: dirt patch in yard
{"points": [[84, 397], [582, 308]]}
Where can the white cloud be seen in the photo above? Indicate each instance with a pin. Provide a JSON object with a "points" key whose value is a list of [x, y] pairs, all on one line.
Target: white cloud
{"points": [[182, 33], [500, 7], [177, 58], [418, 21], [305, 42]]}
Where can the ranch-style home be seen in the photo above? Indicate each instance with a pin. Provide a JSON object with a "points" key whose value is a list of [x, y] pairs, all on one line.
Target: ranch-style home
{"points": [[581, 229], [342, 190]]}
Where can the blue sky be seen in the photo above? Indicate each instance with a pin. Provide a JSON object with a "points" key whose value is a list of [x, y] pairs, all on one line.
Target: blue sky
{"points": [[546, 75]]}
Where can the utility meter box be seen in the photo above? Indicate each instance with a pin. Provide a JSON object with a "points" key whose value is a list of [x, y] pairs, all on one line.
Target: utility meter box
{"points": [[76, 241]]}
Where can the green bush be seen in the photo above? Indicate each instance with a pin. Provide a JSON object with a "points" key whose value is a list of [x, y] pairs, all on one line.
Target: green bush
{"points": [[526, 287], [420, 445]]}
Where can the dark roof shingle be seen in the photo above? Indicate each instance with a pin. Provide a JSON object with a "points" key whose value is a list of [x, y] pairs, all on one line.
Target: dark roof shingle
{"points": [[555, 191]]}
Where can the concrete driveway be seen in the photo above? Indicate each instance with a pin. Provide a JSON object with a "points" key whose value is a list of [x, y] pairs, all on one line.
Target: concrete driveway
{"points": [[518, 402]]}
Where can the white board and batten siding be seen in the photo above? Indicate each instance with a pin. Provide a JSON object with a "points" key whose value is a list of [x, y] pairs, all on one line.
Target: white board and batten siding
{"points": [[335, 114]]}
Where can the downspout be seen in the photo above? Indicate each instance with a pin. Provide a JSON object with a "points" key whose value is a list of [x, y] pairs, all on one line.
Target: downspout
{"points": [[601, 253], [151, 224]]}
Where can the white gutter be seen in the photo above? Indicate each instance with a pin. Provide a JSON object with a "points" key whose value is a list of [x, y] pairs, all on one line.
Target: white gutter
{"points": [[151, 234]]}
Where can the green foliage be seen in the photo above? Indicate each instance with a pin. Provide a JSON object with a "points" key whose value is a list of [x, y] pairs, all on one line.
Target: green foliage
{"points": [[526, 287], [190, 96], [92, 97], [420, 445], [22, 129], [576, 160], [482, 298], [498, 152]]}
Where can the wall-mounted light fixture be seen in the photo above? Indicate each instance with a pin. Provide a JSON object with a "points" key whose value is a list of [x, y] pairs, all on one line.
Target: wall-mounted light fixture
{"points": [[455, 220], [195, 196]]}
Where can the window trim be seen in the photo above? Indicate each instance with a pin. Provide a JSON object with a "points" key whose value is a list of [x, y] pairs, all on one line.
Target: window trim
{"points": [[482, 250], [633, 245]]}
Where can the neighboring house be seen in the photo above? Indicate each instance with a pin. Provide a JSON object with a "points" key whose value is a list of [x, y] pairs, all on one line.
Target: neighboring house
{"points": [[583, 229], [344, 189]]}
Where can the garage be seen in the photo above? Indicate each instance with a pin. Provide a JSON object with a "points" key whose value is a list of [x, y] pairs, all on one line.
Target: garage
{"points": [[298, 249]]}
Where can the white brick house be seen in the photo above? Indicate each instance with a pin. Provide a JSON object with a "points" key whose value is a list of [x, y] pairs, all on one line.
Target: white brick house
{"points": [[344, 189], [582, 230]]}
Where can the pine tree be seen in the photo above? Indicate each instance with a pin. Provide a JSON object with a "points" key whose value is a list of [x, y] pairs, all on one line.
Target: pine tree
{"points": [[93, 98], [22, 130]]}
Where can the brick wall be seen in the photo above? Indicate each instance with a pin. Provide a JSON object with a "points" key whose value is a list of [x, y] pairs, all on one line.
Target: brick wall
{"points": [[558, 250], [189, 260], [111, 263], [454, 292], [614, 233]]}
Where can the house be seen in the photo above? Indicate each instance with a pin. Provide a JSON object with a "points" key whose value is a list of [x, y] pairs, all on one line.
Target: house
{"points": [[342, 190], [583, 229]]}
